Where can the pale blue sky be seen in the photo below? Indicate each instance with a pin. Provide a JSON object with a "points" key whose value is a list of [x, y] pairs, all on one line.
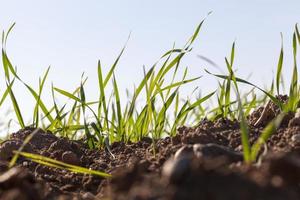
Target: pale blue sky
{"points": [[71, 35]]}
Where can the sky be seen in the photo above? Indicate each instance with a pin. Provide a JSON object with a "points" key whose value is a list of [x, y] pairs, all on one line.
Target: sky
{"points": [[72, 35]]}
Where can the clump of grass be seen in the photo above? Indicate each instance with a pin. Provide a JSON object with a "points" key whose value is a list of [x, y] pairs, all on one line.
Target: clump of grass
{"points": [[108, 119], [112, 120], [250, 152]]}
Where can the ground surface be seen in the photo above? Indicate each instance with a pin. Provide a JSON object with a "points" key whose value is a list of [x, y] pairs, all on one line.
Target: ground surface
{"points": [[204, 162]]}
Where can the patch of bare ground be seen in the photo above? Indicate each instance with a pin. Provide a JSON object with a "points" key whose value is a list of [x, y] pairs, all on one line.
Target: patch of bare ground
{"points": [[204, 162]]}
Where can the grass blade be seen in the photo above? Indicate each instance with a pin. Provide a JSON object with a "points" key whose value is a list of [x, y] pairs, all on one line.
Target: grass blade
{"points": [[58, 164], [265, 135], [273, 98], [67, 94], [16, 106], [279, 66]]}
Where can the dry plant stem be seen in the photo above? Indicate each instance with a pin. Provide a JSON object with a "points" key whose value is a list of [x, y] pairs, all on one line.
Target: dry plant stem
{"points": [[264, 115]]}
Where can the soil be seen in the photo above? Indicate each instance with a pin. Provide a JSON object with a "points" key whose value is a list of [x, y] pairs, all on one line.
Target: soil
{"points": [[203, 162]]}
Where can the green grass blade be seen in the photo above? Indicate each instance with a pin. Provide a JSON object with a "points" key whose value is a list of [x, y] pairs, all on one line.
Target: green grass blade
{"points": [[273, 98], [67, 94], [179, 117], [186, 108], [161, 117], [177, 84], [8, 67], [16, 106], [112, 69], [5, 65], [196, 31], [251, 105], [40, 103], [232, 54], [7, 34], [137, 91], [297, 33], [244, 134], [90, 138], [265, 135], [102, 98], [55, 163], [293, 96], [200, 101], [279, 66], [6, 92], [118, 104]]}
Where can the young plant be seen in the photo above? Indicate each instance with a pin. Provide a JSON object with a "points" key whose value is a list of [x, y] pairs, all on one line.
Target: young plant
{"points": [[249, 152]]}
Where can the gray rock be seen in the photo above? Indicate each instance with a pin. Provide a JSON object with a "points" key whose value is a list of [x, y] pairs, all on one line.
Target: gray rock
{"points": [[174, 170], [70, 158], [214, 150], [186, 150], [88, 196], [294, 122], [296, 138]]}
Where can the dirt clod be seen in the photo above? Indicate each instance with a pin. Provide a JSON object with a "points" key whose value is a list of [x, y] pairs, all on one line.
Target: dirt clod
{"points": [[70, 158]]}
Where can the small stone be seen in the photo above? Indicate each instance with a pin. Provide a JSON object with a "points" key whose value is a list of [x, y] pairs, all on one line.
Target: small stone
{"points": [[9, 175], [239, 148], [40, 170], [70, 158], [185, 150], [176, 139], [265, 115], [297, 114], [286, 166], [8, 147], [25, 164], [277, 181], [88, 196], [214, 150], [3, 166], [296, 138], [174, 170], [197, 150], [144, 165], [294, 122], [68, 188], [147, 140]]}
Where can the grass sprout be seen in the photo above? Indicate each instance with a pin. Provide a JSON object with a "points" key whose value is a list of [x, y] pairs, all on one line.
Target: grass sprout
{"points": [[155, 108]]}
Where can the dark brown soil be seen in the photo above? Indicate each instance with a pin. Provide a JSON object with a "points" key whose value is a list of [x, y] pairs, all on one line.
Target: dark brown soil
{"points": [[204, 162]]}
